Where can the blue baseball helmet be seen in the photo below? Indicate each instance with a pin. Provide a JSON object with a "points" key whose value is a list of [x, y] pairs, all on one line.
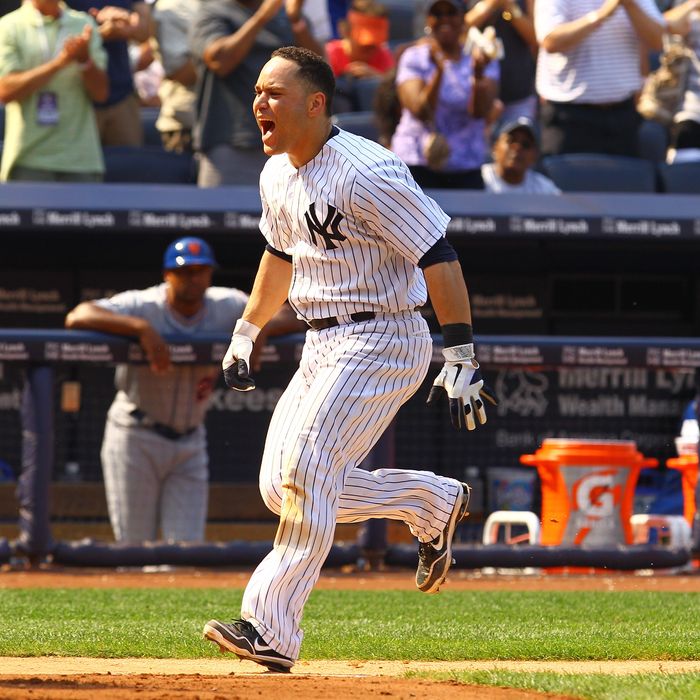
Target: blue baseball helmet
{"points": [[188, 251]]}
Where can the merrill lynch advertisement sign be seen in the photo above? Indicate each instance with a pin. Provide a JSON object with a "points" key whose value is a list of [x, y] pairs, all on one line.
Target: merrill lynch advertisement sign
{"points": [[575, 226], [644, 405], [34, 298]]}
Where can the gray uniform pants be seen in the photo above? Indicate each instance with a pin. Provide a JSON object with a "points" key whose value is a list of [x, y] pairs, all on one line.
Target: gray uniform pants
{"points": [[151, 481]]}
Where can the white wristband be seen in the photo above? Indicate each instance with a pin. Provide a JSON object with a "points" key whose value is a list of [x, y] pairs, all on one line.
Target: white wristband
{"points": [[458, 353], [246, 328]]}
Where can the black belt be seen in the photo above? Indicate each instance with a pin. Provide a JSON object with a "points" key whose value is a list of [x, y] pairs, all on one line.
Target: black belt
{"points": [[598, 106], [319, 324], [162, 430]]}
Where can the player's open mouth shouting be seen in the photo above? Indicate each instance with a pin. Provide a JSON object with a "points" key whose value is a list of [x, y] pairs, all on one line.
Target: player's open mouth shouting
{"points": [[267, 126]]}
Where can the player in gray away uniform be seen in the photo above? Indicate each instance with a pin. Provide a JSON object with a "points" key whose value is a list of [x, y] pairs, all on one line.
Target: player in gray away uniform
{"points": [[154, 452], [356, 246]]}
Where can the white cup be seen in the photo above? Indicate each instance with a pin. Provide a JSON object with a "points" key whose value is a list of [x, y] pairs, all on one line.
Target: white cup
{"points": [[684, 446]]}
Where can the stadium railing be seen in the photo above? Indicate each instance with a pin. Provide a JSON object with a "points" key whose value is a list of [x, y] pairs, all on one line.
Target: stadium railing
{"points": [[421, 437]]}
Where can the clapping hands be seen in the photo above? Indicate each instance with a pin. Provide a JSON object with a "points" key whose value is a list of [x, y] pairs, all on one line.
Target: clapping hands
{"points": [[76, 48]]}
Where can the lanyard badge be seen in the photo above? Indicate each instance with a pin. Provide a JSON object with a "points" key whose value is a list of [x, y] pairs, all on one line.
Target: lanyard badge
{"points": [[47, 113], [47, 108]]}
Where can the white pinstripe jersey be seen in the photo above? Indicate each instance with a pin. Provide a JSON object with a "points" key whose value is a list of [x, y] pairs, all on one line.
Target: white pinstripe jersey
{"points": [[355, 223]]}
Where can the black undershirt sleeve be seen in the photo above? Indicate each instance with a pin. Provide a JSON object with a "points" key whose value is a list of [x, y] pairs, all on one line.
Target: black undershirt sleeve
{"points": [[278, 253], [442, 251]]}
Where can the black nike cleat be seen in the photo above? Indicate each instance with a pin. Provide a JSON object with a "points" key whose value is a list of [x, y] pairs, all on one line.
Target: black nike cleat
{"points": [[243, 640], [435, 557]]}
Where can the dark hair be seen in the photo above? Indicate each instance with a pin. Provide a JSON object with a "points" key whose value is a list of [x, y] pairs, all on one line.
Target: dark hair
{"points": [[369, 8], [313, 70]]}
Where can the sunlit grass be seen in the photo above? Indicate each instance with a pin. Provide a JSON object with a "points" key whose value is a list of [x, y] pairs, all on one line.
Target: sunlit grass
{"points": [[167, 623]]}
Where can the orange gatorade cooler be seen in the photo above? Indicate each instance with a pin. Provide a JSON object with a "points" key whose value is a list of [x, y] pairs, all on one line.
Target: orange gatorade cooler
{"points": [[587, 489], [687, 465]]}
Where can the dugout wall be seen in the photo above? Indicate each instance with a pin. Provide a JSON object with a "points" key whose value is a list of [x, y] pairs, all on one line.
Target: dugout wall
{"points": [[605, 267], [57, 503]]}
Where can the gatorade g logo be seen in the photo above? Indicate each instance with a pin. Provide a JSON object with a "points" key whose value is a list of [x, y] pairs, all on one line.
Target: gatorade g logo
{"points": [[332, 220], [596, 495]]}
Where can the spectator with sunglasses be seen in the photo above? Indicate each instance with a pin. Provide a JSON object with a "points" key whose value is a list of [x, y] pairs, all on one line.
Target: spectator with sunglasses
{"points": [[515, 152]]}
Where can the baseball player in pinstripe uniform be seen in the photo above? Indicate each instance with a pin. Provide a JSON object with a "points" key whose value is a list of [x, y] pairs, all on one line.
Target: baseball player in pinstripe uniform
{"points": [[154, 451], [355, 245]]}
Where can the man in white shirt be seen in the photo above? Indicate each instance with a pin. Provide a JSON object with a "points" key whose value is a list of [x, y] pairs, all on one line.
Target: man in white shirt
{"points": [[588, 70], [515, 152]]}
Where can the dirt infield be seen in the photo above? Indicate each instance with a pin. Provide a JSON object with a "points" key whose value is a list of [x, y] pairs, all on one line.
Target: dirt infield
{"points": [[292, 687], [165, 577], [53, 678]]}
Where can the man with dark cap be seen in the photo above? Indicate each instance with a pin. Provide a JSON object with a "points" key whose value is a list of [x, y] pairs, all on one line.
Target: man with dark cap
{"points": [[515, 152]]}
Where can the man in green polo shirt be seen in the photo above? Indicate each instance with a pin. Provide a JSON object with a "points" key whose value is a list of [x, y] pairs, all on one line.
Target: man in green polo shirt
{"points": [[52, 65]]}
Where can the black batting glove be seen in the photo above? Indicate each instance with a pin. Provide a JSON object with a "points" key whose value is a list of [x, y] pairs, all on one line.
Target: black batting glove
{"points": [[236, 362]]}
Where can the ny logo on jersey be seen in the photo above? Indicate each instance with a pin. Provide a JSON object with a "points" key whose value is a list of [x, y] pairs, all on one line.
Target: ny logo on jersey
{"points": [[333, 219]]}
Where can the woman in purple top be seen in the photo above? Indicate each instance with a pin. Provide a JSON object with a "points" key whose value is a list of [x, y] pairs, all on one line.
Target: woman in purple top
{"points": [[443, 90]]}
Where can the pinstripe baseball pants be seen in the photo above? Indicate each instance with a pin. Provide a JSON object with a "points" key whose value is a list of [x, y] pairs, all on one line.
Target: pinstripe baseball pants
{"points": [[351, 382]]}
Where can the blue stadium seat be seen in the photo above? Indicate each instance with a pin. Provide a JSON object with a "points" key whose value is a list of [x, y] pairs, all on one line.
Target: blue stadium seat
{"points": [[364, 91], [151, 135], [593, 172], [402, 14], [653, 141], [361, 123], [355, 94], [148, 165], [680, 178], [345, 99]]}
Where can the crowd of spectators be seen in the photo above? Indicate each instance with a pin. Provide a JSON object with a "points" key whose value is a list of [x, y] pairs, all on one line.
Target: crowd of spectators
{"points": [[79, 74]]}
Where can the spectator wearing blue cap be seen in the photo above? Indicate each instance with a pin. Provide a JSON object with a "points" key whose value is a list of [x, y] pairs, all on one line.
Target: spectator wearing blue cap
{"points": [[515, 152], [154, 450]]}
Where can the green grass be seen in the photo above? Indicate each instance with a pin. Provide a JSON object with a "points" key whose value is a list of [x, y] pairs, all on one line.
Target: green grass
{"points": [[167, 623], [591, 686]]}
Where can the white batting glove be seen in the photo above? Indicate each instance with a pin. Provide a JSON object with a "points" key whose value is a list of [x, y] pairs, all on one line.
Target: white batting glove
{"points": [[236, 362], [460, 378]]}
